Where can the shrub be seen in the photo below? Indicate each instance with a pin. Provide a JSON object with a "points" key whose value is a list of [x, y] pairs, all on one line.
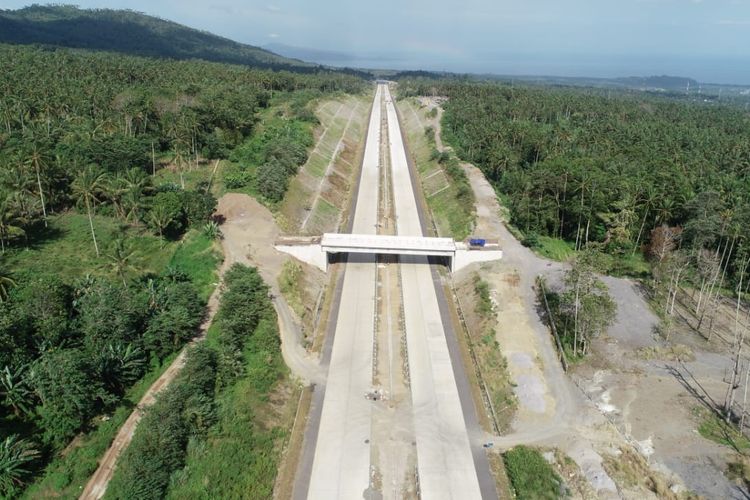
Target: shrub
{"points": [[236, 177], [272, 180], [530, 475], [69, 393], [198, 206], [531, 239]]}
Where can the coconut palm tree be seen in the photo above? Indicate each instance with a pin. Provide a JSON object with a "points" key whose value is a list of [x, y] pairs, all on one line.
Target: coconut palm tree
{"points": [[86, 189], [15, 181], [136, 183], [10, 223], [38, 161], [121, 257]]}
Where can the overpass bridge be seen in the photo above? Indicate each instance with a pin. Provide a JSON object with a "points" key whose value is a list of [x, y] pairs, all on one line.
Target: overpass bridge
{"points": [[319, 251]]}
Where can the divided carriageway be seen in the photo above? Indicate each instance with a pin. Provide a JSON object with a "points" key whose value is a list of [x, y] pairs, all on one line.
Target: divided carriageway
{"points": [[369, 428]]}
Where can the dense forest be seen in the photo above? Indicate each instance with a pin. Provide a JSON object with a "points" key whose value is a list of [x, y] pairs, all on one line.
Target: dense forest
{"points": [[84, 132], [625, 170]]}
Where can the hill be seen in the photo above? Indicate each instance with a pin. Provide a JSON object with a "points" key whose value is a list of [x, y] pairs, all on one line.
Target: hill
{"points": [[130, 32]]}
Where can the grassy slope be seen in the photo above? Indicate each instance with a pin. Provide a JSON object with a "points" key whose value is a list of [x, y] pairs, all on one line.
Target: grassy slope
{"points": [[490, 357], [193, 176], [713, 428], [531, 476], [452, 218], [66, 248], [197, 256], [302, 191]]}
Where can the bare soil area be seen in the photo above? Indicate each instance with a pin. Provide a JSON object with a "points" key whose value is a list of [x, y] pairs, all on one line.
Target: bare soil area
{"points": [[652, 396], [249, 235]]}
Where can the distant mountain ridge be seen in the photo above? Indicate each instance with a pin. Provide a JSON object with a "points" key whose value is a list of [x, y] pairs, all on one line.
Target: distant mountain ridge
{"points": [[307, 54], [130, 32], [665, 82]]}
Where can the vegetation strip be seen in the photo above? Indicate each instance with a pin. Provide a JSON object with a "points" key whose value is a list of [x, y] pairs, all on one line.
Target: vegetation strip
{"points": [[190, 441], [451, 203], [531, 476]]}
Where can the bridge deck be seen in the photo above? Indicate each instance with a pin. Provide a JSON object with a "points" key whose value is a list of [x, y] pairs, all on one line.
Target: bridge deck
{"points": [[377, 243]]}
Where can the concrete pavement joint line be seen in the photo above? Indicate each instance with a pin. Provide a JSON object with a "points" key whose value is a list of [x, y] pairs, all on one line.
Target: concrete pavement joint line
{"points": [[341, 464], [375, 321], [481, 463], [404, 343], [445, 462]]}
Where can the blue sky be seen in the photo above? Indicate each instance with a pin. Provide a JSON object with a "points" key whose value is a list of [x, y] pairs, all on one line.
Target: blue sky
{"points": [[705, 39]]}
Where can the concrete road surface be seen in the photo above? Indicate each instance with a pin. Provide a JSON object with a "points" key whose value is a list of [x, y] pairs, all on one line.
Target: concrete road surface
{"points": [[445, 462], [341, 466]]}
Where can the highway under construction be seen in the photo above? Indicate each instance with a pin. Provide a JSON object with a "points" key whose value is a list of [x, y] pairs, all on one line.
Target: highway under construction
{"points": [[395, 418]]}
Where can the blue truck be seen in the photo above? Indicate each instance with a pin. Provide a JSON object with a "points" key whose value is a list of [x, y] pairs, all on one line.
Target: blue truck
{"points": [[477, 242]]}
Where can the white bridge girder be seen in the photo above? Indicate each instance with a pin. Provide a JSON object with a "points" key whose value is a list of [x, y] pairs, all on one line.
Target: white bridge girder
{"points": [[387, 244]]}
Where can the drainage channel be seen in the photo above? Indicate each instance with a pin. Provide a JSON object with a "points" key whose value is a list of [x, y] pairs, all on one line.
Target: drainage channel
{"points": [[393, 445]]}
